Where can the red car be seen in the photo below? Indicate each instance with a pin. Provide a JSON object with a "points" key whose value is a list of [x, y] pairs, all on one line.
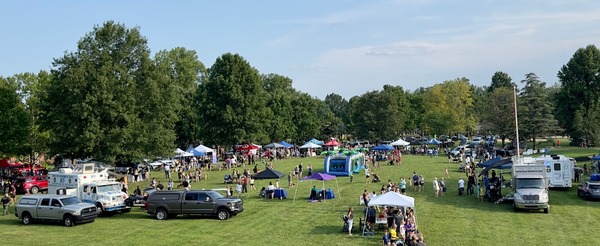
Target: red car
{"points": [[34, 184]]}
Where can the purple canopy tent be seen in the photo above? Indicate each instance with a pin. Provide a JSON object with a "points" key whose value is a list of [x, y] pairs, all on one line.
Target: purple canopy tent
{"points": [[319, 176]]}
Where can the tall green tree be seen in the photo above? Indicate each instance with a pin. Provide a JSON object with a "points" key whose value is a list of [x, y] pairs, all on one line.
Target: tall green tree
{"points": [[535, 109], [306, 117], [106, 100], [579, 93], [182, 68], [338, 105], [232, 102], [498, 113], [500, 79], [280, 112], [14, 120], [31, 91], [448, 108]]}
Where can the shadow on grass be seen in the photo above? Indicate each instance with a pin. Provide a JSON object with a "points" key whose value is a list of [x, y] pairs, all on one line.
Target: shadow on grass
{"points": [[327, 230]]}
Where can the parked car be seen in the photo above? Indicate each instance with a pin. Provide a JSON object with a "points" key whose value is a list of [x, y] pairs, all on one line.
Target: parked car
{"points": [[456, 151], [589, 190], [168, 204], [70, 210], [34, 184], [476, 140]]}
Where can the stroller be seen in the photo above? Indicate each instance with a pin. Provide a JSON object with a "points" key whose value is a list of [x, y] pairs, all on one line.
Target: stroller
{"points": [[346, 228], [227, 179]]}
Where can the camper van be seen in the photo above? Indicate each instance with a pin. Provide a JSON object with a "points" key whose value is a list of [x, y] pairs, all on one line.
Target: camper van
{"points": [[89, 186], [559, 170]]}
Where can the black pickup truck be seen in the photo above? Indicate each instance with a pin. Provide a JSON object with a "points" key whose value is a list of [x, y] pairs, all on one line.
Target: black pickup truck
{"points": [[168, 204]]}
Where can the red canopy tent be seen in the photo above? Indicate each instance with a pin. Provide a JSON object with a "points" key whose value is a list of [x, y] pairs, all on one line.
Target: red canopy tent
{"points": [[246, 147], [332, 142], [4, 163]]}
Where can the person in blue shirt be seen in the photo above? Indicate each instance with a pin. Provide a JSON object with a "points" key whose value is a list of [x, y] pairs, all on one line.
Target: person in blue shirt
{"points": [[386, 238]]}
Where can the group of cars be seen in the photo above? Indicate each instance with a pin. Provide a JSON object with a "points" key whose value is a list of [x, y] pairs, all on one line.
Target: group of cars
{"points": [[162, 205]]}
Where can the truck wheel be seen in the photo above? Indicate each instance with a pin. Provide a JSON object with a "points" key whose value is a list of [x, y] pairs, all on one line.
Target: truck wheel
{"points": [[223, 214], [545, 210], [26, 218], [35, 190], [161, 214], [68, 221], [99, 209], [515, 207]]}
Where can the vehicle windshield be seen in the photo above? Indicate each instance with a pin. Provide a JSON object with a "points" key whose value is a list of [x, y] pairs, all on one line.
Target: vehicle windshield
{"points": [[70, 201], [215, 195], [594, 187], [530, 183], [107, 188]]}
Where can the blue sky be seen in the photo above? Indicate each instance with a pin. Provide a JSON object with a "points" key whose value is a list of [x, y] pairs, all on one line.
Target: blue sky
{"points": [[347, 47]]}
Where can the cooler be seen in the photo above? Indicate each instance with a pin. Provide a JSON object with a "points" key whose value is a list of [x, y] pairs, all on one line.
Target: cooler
{"points": [[595, 177]]}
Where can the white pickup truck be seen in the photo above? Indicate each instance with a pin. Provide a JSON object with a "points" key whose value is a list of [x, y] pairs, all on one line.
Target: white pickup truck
{"points": [[70, 210]]}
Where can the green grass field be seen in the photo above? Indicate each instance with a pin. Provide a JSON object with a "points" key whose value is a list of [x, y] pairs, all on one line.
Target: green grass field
{"points": [[448, 220]]}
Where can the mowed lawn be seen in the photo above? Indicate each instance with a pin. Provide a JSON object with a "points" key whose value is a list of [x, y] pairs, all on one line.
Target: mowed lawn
{"points": [[448, 220]]}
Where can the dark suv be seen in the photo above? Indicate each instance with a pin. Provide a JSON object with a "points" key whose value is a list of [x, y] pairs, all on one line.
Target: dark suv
{"points": [[169, 204], [34, 184], [589, 190]]}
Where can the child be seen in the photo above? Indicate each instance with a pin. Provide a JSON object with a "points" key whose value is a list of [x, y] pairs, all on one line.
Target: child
{"points": [[238, 188]]}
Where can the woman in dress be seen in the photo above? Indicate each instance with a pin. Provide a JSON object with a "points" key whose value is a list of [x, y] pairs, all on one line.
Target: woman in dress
{"points": [[436, 187], [350, 220]]}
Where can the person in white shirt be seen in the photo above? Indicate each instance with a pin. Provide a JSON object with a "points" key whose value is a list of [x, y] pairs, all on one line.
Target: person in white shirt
{"points": [[271, 190], [461, 187]]}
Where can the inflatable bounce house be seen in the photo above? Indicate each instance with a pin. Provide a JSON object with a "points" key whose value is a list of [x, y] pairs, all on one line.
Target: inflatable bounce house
{"points": [[344, 164]]}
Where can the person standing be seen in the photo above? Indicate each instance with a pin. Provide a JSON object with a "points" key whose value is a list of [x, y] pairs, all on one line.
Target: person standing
{"points": [[350, 220], [402, 186], [5, 203], [442, 186], [421, 183], [415, 179], [436, 187], [310, 169], [461, 186]]}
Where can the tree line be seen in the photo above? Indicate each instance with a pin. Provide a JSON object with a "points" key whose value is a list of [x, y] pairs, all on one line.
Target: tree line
{"points": [[112, 100]]}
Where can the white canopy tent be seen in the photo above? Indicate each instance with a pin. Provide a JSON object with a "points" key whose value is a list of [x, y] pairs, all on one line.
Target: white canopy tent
{"points": [[180, 153], [203, 149], [393, 199], [399, 142], [310, 145]]}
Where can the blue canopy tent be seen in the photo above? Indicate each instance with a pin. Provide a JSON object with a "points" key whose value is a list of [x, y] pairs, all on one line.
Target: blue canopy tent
{"points": [[194, 151], [286, 144], [596, 158], [500, 164], [493, 161], [315, 141], [383, 147]]}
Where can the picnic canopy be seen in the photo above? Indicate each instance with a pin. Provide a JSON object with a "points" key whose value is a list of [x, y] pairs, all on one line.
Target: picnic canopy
{"points": [[383, 147], [310, 145], [433, 141], [501, 164], [179, 153], [194, 152], [4, 163], [286, 144], [491, 162], [399, 142], [392, 199], [319, 176], [274, 145], [332, 142], [315, 141], [596, 158], [203, 149], [269, 174], [247, 147]]}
